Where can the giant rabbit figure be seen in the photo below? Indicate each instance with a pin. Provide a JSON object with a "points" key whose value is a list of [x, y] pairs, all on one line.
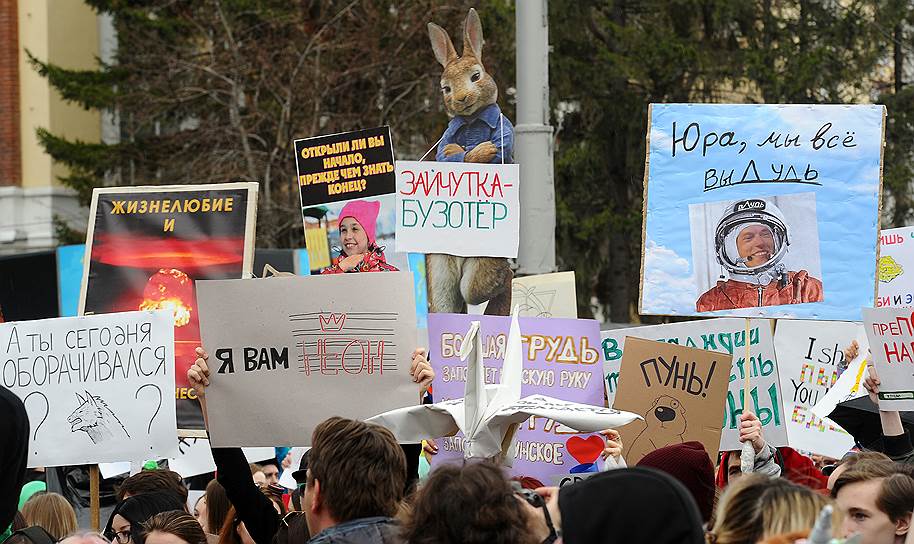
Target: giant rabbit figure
{"points": [[477, 132]]}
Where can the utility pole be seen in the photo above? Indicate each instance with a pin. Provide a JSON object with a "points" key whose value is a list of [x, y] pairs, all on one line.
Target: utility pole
{"points": [[533, 140]]}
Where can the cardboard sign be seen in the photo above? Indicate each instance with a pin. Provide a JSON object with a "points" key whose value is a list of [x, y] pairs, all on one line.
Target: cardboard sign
{"points": [[890, 332], [99, 385], [345, 166], [463, 209], [810, 358], [895, 269], [761, 210], [146, 246], [328, 345], [545, 295], [724, 335], [678, 390], [560, 360]]}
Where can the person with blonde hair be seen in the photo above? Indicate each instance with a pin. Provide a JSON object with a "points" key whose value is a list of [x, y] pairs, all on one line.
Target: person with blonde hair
{"points": [[52, 512], [757, 507], [174, 527]]}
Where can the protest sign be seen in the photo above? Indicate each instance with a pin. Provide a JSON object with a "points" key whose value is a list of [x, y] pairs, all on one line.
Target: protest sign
{"points": [[761, 210], [890, 332], [457, 208], [337, 344], [560, 360], [810, 358], [895, 268], [345, 166], [725, 335], [99, 385], [546, 295], [147, 245], [678, 390]]}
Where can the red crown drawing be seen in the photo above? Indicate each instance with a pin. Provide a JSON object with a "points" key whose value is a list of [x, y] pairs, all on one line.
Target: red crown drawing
{"points": [[332, 322]]}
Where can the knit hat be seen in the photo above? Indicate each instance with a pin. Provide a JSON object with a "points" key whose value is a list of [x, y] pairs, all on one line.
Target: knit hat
{"points": [[689, 463], [365, 212]]}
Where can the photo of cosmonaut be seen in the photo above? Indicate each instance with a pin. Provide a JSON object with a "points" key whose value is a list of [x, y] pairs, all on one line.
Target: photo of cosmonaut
{"points": [[756, 252]]}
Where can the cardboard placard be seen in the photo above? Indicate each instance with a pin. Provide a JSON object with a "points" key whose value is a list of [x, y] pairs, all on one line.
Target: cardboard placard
{"points": [[762, 210], [457, 208], [724, 335], [678, 390], [345, 166], [810, 358], [890, 332], [145, 247], [895, 269], [560, 360], [101, 385], [329, 345], [546, 295]]}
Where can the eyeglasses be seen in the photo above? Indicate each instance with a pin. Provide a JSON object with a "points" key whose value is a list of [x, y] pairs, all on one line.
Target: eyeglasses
{"points": [[123, 537]]}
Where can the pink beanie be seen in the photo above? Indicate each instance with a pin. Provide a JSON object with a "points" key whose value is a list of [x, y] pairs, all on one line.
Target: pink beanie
{"points": [[365, 212]]}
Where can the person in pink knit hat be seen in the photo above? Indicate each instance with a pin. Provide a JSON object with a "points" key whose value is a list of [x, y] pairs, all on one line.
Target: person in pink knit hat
{"points": [[358, 221]]}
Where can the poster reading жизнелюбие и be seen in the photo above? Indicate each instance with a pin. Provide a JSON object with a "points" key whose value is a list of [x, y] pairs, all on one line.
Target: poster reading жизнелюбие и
{"points": [[761, 210]]}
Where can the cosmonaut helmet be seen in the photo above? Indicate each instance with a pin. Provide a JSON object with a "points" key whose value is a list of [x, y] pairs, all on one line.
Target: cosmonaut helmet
{"points": [[744, 213]]}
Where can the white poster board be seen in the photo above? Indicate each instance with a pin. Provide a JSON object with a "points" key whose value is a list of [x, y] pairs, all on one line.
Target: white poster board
{"points": [[725, 335], [458, 208], [895, 268], [891, 335], [545, 295], [810, 355], [329, 345], [97, 388]]}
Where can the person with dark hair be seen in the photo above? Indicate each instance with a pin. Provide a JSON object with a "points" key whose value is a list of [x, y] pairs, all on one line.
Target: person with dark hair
{"points": [[125, 524], [173, 527], [217, 507], [471, 504], [14, 427], [876, 498], [344, 451], [148, 481]]}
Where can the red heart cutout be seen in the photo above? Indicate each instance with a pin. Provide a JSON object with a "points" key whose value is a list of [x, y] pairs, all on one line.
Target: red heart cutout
{"points": [[585, 450]]}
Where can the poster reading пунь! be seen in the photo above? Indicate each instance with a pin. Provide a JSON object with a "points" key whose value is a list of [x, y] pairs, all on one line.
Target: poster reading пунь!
{"points": [[147, 245], [761, 210]]}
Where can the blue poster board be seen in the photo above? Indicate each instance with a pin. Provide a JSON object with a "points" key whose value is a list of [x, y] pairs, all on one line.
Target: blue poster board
{"points": [[762, 210], [69, 277]]}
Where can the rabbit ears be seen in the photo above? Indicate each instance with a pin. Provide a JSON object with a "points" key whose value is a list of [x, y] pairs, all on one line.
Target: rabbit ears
{"points": [[472, 40]]}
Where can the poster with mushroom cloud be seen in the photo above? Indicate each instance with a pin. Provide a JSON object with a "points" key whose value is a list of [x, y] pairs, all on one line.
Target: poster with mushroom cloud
{"points": [[145, 248]]}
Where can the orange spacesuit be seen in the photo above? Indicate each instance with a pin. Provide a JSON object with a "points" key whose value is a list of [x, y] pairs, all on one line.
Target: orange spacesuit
{"points": [[727, 295]]}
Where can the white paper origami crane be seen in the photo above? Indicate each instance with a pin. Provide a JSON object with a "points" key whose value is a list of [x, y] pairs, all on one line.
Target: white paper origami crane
{"points": [[488, 415]]}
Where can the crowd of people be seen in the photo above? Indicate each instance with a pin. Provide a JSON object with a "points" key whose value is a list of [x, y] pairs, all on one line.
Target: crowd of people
{"points": [[357, 485]]}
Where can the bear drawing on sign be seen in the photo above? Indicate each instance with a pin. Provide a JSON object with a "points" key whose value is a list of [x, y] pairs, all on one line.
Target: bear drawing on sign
{"points": [[665, 424], [93, 417]]}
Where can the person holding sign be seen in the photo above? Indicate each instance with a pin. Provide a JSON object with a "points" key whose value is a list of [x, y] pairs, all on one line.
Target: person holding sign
{"points": [[358, 223], [751, 242]]}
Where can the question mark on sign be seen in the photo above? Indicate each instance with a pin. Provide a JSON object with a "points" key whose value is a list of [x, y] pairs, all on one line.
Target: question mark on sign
{"points": [[47, 410], [137, 396]]}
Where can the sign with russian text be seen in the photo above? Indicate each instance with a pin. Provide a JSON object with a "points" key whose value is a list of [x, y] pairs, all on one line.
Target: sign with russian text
{"points": [[890, 332], [463, 209], [723, 335], [146, 246], [678, 391], [810, 359], [345, 166], [329, 345], [765, 210], [561, 360], [96, 388], [895, 268]]}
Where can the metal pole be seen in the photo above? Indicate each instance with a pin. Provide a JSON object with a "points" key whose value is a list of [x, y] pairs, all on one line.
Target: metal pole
{"points": [[533, 135]]}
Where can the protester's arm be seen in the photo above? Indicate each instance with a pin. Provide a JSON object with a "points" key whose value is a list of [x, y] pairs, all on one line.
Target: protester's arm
{"points": [[895, 439], [421, 371], [612, 452], [750, 430], [233, 472]]}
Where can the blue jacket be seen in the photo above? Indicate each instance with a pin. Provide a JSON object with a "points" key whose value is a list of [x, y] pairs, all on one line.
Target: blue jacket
{"points": [[376, 530], [488, 124]]}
